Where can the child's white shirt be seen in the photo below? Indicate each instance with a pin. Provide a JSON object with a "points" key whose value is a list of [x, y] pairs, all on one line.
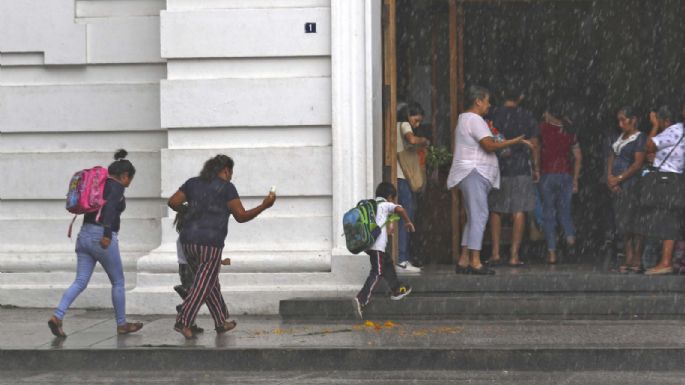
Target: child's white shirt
{"points": [[383, 210]]}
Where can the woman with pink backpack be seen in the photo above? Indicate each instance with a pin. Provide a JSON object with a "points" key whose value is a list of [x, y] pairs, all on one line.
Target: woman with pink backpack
{"points": [[97, 242]]}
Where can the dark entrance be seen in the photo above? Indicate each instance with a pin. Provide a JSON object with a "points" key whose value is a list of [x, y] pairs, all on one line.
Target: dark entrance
{"points": [[598, 55]]}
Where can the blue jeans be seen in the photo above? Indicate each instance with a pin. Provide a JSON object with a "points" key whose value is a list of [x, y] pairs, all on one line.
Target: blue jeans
{"points": [[88, 253], [557, 193], [406, 199], [651, 253]]}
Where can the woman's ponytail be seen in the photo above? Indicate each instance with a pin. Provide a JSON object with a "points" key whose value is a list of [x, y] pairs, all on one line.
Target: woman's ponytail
{"points": [[121, 165]]}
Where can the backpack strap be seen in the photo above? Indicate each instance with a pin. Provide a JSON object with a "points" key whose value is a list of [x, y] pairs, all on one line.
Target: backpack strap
{"points": [[682, 135], [71, 226]]}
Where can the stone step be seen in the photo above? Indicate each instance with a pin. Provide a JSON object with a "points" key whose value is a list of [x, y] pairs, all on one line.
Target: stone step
{"points": [[346, 358], [535, 282], [271, 343], [602, 305]]}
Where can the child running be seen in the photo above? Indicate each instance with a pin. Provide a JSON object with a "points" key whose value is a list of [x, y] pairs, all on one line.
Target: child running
{"points": [[381, 263]]}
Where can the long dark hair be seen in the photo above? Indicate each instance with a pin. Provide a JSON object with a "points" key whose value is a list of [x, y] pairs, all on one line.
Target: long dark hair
{"points": [[630, 113], [410, 109], [121, 165], [214, 165], [178, 221]]}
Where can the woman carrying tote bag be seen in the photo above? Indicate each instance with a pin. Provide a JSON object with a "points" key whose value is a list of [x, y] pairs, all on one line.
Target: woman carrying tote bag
{"points": [[410, 175]]}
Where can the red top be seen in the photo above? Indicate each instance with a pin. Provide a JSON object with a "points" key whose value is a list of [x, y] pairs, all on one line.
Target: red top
{"points": [[555, 155]]}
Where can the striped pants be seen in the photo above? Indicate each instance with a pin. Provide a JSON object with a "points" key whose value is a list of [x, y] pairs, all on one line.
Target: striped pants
{"points": [[206, 262], [382, 266]]}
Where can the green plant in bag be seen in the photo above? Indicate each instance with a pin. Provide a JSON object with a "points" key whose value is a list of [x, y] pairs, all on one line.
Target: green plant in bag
{"points": [[437, 157]]}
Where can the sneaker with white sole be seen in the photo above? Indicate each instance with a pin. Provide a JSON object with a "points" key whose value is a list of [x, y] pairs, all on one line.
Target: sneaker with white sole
{"points": [[358, 308], [402, 292], [407, 268]]}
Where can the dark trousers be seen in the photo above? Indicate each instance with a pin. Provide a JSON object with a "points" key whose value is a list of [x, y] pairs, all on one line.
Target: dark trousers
{"points": [[382, 266], [206, 262], [187, 274]]}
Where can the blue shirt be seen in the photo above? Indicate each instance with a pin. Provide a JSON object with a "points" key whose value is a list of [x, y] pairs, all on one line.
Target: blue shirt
{"points": [[513, 122], [626, 157], [206, 221]]}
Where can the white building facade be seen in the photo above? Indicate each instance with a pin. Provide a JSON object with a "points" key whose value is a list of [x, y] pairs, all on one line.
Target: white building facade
{"points": [[176, 82]]}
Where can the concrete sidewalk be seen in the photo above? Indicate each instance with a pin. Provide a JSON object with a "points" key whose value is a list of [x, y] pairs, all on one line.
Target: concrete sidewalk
{"points": [[273, 344]]}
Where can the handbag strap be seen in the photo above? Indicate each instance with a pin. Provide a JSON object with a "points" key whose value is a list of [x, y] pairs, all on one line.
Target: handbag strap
{"points": [[682, 135]]}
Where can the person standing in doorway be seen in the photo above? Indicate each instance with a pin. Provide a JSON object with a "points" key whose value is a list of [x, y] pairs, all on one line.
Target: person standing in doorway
{"points": [[98, 242], [666, 146], [475, 171], [409, 119], [623, 173], [520, 170], [559, 179], [212, 199]]}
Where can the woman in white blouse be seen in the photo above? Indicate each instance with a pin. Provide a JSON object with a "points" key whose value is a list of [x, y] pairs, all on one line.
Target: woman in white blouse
{"points": [[667, 148], [475, 171]]}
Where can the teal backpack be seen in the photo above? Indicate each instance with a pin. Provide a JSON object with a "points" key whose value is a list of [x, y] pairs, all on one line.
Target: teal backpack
{"points": [[361, 229]]}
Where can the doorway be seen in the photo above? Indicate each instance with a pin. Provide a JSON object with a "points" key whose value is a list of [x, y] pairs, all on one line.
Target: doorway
{"points": [[596, 55]]}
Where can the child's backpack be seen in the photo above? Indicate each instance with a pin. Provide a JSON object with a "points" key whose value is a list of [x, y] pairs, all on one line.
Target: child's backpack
{"points": [[86, 192], [360, 226]]}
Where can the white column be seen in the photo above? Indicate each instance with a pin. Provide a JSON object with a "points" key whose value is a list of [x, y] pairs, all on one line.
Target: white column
{"points": [[356, 108]]}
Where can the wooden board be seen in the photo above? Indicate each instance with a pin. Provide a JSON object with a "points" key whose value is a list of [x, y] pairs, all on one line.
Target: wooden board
{"points": [[390, 98]]}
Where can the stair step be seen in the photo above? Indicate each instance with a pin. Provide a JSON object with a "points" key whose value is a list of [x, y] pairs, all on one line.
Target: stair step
{"points": [[534, 282], [496, 306]]}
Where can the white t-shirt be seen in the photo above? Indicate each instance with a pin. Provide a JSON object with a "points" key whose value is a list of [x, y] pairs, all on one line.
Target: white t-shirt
{"points": [[403, 128], [468, 153], [383, 210], [665, 142]]}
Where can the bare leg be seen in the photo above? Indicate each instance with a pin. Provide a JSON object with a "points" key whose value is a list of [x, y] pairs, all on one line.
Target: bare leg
{"points": [[517, 236], [638, 249], [475, 259], [666, 253], [464, 257], [496, 234], [628, 249], [551, 257]]}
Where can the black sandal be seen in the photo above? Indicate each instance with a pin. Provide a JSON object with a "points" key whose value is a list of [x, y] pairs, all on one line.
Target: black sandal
{"points": [[226, 327], [55, 326], [482, 270]]}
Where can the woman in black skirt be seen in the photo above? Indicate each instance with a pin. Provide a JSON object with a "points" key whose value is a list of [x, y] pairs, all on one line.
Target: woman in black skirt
{"points": [[668, 151], [623, 167]]}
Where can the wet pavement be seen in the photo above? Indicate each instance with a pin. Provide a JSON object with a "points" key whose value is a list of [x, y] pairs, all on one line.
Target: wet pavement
{"points": [[95, 329], [383, 349], [345, 378]]}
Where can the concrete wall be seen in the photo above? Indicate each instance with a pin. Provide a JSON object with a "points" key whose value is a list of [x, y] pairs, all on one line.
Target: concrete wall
{"points": [[78, 80], [256, 81], [176, 82]]}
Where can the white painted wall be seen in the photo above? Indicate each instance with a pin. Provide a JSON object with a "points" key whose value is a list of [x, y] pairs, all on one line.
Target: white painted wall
{"points": [[176, 82], [78, 80]]}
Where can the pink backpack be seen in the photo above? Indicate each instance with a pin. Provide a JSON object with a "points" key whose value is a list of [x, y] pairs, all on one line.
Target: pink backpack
{"points": [[86, 192]]}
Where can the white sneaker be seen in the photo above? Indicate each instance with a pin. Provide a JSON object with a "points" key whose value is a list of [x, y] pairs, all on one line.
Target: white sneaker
{"points": [[358, 308], [407, 268], [402, 292]]}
